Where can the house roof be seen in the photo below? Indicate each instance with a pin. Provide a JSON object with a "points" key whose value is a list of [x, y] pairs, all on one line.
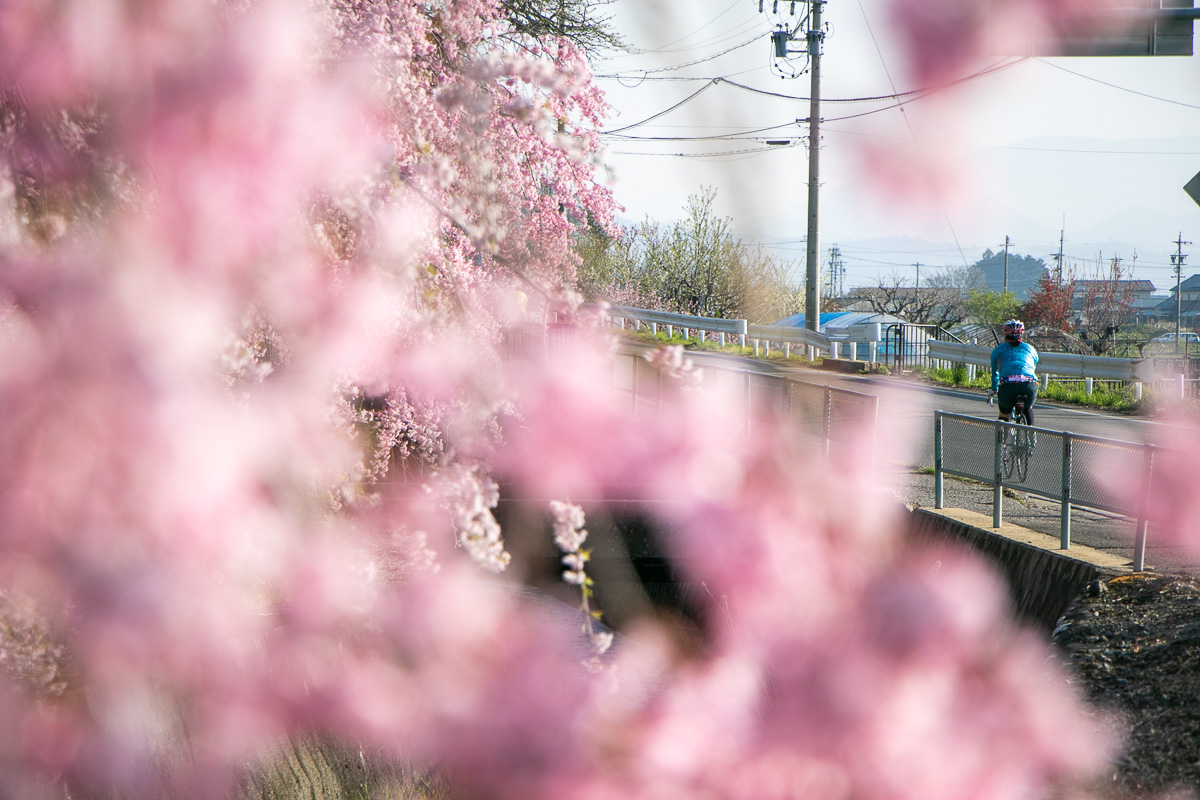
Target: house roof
{"points": [[1139, 285], [836, 320], [1191, 284]]}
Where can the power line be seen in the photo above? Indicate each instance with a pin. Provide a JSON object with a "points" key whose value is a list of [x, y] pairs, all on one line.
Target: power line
{"points": [[1077, 151], [912, 134], [665, 111], [719, 37], [714, 138], [912, 95], [1119, 88], [750, 151], [755, 38]]}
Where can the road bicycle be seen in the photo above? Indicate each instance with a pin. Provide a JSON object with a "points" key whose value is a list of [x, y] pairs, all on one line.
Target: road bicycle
{"points": [[1018, 442]]}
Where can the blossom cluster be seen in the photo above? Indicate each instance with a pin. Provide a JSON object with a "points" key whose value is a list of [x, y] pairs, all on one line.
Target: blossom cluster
{"points": [[258, 253]]}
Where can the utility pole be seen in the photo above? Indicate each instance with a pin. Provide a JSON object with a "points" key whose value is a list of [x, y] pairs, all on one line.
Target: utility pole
{"points": [[918, 289], [1061, 236], [1006, 243], [1177, 260], [814, 37], [837, 272]]}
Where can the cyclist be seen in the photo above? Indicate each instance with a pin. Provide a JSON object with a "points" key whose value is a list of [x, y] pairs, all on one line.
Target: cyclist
{"points": [[1014, 371]]}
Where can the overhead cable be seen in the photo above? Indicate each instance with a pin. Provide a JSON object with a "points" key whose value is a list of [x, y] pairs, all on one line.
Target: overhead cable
{"points": [[757, 37], [714, 137], [1119, 88], [665, 111], [663, 48]]}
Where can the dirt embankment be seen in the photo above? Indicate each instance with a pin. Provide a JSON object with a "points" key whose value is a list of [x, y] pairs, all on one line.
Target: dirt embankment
{"points": [[1134, 646]]}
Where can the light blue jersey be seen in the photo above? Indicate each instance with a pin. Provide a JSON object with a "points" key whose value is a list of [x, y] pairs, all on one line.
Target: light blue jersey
{"points": [[1009, 360]]}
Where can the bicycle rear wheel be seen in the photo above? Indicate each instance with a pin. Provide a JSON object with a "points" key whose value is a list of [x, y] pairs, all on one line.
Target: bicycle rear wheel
{"points": [[1008, 456], [1022, 443]]}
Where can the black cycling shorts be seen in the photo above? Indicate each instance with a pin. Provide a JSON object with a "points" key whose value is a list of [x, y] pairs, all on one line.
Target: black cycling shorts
{"points": [[1010, 392]]}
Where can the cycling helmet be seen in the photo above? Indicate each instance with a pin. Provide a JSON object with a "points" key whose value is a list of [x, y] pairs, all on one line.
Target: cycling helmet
{"points": [[1014, 329]]}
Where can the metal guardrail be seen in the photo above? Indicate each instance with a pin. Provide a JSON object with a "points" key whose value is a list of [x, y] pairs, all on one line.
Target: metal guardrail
{"points": [[1061, 466], [722, 327], [1131, 370], [824, 416]]}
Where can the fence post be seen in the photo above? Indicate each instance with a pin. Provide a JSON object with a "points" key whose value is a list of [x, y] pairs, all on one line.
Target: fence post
{"points": [[1182, 386], [833, 349], [874, 433], [937, 460], [634, 385], [1139, 541], [997, 492], [854, 351], [1137, 390], [828, 417], [872, 351], [1064, 523], [749, 407], [1088, 385]]}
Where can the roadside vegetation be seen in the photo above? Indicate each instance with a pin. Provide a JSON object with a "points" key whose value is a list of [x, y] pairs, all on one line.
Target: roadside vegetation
{"points": [[1103, 395]]}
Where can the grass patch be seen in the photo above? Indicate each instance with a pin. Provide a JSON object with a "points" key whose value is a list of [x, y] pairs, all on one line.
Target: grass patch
{"points": [[1101, 397], [1121, 399], [958, 376]]}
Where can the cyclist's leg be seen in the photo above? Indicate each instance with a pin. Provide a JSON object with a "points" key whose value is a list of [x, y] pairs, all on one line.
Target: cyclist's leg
{"points": [[1006, 397], [1030, 391]]}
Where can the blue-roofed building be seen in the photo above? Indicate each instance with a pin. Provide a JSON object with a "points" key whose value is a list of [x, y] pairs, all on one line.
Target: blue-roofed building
{"points": [[851, 325], [863, 327]]}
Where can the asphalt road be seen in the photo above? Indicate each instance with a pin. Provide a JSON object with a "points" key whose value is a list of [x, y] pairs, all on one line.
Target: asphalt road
{"points": [[908, 406], [906, 413]]}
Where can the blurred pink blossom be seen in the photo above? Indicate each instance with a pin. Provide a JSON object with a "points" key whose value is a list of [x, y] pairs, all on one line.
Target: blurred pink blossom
{"points": [[263, 381]]}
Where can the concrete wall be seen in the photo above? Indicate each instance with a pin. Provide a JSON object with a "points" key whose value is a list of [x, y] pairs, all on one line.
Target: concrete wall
{"points": [[1042, 583]]}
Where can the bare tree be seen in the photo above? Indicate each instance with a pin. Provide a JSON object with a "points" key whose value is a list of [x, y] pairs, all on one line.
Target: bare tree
{"points": [[942, 301], [693, 266], [579, 21], [1106, 304]]}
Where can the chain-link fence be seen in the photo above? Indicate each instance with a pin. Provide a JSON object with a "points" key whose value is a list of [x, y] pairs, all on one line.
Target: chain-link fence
{"points": [[1057, 465], [821, 416]]}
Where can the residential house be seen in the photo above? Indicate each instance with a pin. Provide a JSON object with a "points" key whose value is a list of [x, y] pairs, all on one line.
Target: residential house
{"points": [[1189, 303], [1143, 300]]}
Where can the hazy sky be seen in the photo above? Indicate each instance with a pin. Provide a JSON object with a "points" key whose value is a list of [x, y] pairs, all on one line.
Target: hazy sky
{"points": [[1099, 148]]}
